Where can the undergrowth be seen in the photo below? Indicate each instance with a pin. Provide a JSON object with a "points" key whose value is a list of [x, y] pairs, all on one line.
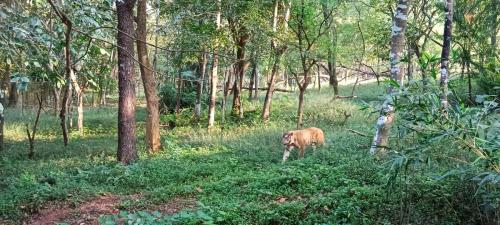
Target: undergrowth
{"points": [[234, 171]]}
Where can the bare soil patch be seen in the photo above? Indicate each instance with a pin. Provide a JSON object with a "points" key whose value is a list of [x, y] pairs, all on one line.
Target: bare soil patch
{"points": [[88, 212]]}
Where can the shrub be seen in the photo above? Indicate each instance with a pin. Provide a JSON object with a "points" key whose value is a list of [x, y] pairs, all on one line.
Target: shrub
{"points": [[168, 94]]}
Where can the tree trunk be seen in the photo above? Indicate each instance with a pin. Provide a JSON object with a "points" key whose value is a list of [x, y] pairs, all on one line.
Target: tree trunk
{"points": [[469, 84], [127, 152], [319, 77], [79, 97], [241, 66], [179, 92], [213, 75], [199, 85], [5, 83], [278, 52], [13, 95], [445, 53], [333, 81], [252, 80], [69, 71], [384, 122], [409, 72], [256, 82], [266, 111], [153, 143], [2, 98], [300, 111]]}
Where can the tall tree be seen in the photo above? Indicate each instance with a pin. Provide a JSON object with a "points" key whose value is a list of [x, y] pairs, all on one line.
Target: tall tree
{"points": [[153, 117], [332, 56], [70, 76], [215, 64], [278, 51], [386, 119], [241, 36], [202, 65], [445, 53], [126, 152], [308, 30]]}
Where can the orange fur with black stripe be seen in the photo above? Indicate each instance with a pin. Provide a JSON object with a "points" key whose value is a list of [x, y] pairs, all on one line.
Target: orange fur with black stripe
{"points": [[301, 139]]}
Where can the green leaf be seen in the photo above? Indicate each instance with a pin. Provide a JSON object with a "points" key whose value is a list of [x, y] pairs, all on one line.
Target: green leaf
{"points": [[36, 64]]}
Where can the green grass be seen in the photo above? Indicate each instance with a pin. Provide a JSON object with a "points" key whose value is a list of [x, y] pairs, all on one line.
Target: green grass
{"points": [[234, 172]]}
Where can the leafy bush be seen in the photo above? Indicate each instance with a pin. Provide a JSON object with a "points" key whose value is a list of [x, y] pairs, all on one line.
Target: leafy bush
{"points": [[464, 140], [168, 95], [489, 80]]}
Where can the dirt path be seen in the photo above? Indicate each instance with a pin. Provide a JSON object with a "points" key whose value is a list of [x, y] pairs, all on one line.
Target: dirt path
{"points": [[88, 212]]}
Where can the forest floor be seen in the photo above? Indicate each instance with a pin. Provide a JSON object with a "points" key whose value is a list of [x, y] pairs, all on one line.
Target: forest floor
{"points": [[231, 175]]}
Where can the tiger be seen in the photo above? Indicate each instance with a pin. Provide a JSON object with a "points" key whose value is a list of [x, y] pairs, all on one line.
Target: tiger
{"points": [[301, 138]]}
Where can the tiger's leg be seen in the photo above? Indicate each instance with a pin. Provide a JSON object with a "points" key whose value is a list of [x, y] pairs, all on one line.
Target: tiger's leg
{"points": [[286, 154], [302, 150], [314, 149]]}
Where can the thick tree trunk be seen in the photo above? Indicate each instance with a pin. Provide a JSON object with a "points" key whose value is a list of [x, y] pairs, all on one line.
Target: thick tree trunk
{"points": [[199, 85], [148, 80], [445, 53], [127, 152], [386, 119], [213, 75]]}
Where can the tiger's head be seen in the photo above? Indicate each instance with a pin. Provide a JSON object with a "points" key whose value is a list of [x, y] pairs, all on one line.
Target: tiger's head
{"points": [[287, 139]]}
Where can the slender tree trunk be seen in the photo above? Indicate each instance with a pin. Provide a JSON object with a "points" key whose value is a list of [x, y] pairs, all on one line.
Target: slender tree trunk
{"points": [[148, 80], [445, 53], [241, 66], [278, 52], [13, 95], [199, 85], [213, 75], [494, 30], [69, 71], [319, 77], [300, 111], [256, 82], [270, 88], [469, 82], [80, 112], [179, 93], [252, 80], [386, 119], [127, 152], [409, 71], [333, 81], [2, 98]]}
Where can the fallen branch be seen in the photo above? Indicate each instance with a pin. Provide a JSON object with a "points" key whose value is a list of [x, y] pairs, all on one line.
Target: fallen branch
{"points": [[358, 133], [265, 89]]}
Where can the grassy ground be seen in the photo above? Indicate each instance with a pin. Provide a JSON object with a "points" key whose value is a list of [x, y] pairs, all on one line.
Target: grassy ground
{"points": [[233, 172]]}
